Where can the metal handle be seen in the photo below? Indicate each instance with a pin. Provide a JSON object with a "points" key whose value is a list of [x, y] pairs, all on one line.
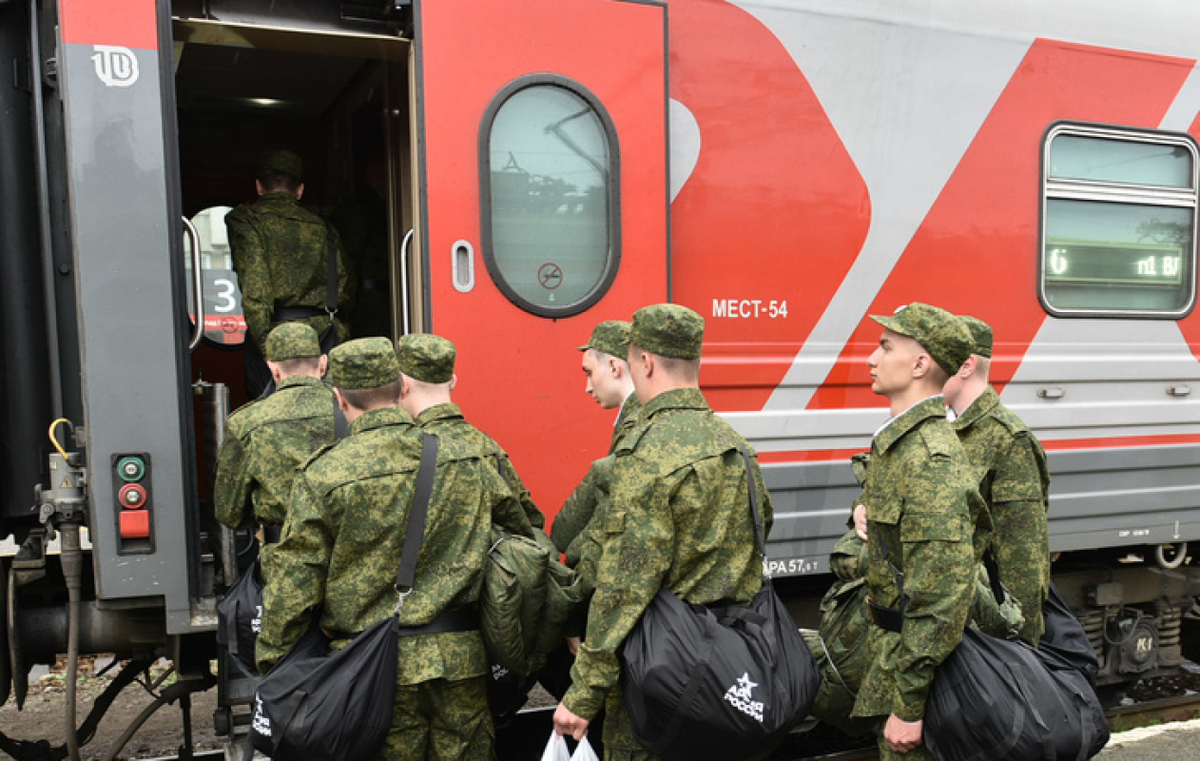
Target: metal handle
{"points": [[404, 280], [197, 285]]}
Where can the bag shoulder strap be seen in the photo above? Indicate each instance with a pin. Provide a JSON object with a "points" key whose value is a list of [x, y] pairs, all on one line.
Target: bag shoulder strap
{"points": [[416, 517], [331, 290], [758, 528]]}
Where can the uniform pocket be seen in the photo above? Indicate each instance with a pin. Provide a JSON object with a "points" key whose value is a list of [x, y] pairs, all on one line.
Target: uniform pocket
{"points": [[933, 527]]}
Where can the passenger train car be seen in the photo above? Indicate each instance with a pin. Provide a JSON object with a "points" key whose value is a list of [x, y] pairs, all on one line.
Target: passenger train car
{"points": [[529, 168]]}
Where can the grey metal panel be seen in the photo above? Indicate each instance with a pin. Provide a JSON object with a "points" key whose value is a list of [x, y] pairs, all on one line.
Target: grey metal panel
{"points": [[130, 324], [1098, 498]]}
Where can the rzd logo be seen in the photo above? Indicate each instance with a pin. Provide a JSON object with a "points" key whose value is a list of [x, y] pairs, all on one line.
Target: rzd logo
{"points": [[115, 66]]}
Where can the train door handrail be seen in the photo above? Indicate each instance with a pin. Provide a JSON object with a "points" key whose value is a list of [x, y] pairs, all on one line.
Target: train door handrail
{"points": [[197, 285]]}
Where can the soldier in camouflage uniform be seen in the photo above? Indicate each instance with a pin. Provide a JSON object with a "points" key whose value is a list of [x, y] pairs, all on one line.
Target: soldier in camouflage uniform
{"points": [[1013, 479], [427, 378], [605, 363], [280, 253], [341, 548], [921, 508], [266, 440], [679, 517]]}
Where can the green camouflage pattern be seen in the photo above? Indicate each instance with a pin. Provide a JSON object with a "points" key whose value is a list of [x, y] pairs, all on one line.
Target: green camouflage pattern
{"points": [[981, 334], [426, 357], [610, 337], [265, 441], [942, 334], [923, 507], [668, 330], [280, 255], [840, 645], [1014, 479], [577, 511], [678, 517], [441, 720], [363, 363], [343, 537], [447, 421], [292, 340]]}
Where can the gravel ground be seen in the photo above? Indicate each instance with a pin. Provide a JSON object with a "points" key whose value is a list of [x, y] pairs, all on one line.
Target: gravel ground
{"points": [[43, 715]]}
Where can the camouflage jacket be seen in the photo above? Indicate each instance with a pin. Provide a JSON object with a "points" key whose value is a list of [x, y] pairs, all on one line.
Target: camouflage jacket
{"points": [[1015, 482], [447, 420], [576, 513], [922, 506], [678, 517], [342, 542], [281, 256], [265, 441]]}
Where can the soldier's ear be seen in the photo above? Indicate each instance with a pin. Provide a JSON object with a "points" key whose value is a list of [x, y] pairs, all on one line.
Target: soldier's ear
{"points": [[299, 191], [921, 365]]}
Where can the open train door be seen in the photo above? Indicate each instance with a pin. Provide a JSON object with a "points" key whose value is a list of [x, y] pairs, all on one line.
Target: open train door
{"points": [[542, 152]]}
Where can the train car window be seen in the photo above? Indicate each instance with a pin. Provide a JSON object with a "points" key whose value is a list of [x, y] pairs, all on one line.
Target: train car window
{"points": [[224, 323], [549, 178], [1118, 222]]}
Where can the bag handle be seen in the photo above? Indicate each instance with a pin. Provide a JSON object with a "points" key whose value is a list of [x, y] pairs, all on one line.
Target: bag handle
{"points": [[416, 519]]}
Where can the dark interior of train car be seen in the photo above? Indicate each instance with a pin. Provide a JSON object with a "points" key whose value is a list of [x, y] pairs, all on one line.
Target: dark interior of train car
{"points": [[339, 100]]}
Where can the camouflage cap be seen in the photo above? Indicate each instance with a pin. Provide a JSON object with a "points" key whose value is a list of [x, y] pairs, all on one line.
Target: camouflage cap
{"points": [[426, 357], [610, 337], [292, 340], [668, 330], [981, 334], [363, 363], [942, 334], [282, 162]]}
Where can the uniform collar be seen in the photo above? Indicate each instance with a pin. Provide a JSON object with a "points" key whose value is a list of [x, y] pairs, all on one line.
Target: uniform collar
{"points": [[380, 418], [298, 380], [894, 429], [979, 408], [676, 399], [444, 411]]}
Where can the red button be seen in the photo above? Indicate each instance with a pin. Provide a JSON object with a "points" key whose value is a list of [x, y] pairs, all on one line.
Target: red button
{"points": [[132, 496], [135, 524]]}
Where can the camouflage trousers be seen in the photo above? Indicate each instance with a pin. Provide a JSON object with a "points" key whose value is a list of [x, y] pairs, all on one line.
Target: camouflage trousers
{"points": [[441, 720]]}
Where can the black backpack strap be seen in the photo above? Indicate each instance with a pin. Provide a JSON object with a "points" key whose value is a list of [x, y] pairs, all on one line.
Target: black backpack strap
{"points": [[331, 291], [341, 428], [416, 518], [758, 529]]}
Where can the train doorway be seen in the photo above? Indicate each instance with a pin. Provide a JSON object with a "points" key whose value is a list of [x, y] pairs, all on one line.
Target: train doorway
{"points": [[339, 99]]}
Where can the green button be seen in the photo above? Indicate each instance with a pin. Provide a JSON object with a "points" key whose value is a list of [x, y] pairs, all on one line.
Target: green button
{"points": [[131, 468]]}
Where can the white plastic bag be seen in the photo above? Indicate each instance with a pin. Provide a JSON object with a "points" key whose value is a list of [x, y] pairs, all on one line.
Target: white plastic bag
{"points": [[556, 749], [584, 752]]}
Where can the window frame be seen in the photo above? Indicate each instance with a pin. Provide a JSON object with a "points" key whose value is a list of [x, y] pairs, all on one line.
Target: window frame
{"points": [[1110, 191], [604, 283]]}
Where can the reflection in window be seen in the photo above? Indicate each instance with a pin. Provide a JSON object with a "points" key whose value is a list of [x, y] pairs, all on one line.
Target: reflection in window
{"points": [[549, 199], [1118, 223], [224, 322]]}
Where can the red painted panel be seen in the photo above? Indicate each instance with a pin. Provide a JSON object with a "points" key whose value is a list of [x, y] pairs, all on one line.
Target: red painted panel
{"points": [[976, 252], [127, 23], [774, 210], [519, 376]]}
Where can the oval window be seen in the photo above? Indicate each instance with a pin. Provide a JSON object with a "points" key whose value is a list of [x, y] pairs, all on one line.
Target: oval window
{"points": [[549, 177]]}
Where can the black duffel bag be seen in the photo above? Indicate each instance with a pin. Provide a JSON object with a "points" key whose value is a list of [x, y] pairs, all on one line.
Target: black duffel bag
{"points": [[706, 683], [996, 699], [321, 705], [239, 618]]}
